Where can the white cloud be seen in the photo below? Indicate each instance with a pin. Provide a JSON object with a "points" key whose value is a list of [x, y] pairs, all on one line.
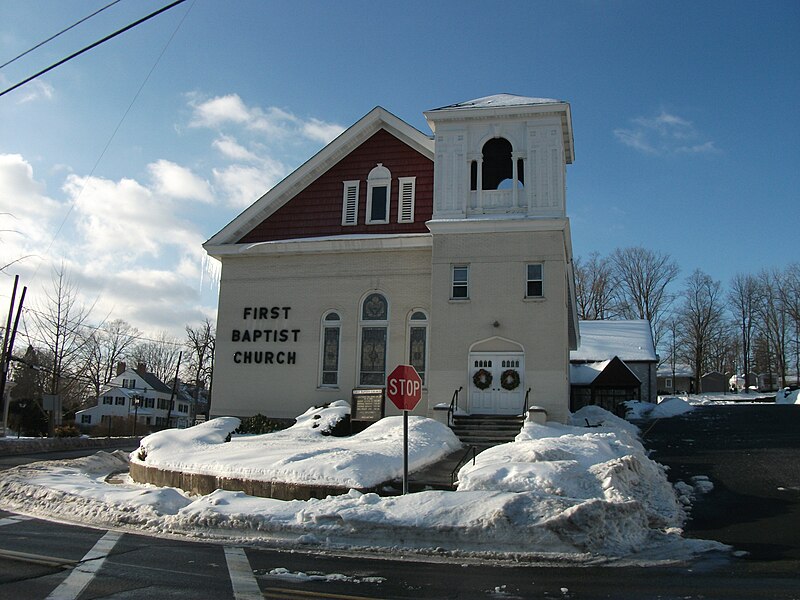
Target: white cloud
{"points": [[230, 148], [314, 129], [664, 134], [35, 90], [220, 110], [272, 121], [176, 181], [243, 185]]}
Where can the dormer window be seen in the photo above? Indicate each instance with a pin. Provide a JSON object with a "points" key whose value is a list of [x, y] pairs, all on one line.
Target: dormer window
{"points": [[379, 184]]}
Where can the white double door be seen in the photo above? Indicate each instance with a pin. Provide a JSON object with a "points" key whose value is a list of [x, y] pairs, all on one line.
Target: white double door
{"points": [[487, 370]]}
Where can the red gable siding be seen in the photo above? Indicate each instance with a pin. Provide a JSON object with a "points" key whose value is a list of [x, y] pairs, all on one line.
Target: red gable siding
{"points": [[317, 210]]}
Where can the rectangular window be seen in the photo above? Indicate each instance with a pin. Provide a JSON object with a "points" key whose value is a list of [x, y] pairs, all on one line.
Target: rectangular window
{"points": [[373, 356], [330, 356], [668, 383], [86, 419], [534, 287], [378, 204], [460, 290], [405, 209], [350, 203], [149, 402], [107, 399], [119, 401], [417, 353]]}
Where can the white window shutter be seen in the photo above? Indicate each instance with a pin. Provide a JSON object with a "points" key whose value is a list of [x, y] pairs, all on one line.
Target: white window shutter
{"points": [[405, 212], [350, 203]]}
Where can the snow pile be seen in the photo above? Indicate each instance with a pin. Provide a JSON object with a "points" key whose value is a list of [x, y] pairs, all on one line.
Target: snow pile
{"points": [[558, 492], [670, 406], [302, 454], [77, 490], [594, 488], [787, 396]]}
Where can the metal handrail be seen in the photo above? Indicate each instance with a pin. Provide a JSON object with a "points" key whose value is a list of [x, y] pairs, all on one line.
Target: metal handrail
{"points": [[462, 462], [453, 406], [525, 406]]}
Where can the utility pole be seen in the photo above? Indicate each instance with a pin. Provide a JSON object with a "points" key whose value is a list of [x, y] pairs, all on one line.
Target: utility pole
{"points": [[8, 348], [174, 389]]}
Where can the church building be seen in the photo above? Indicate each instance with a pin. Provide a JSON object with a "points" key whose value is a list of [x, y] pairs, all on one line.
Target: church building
{"points": [[450, 252]]}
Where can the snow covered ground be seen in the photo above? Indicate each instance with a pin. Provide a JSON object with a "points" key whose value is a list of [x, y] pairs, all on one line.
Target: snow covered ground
{"points": [[557, 493]]}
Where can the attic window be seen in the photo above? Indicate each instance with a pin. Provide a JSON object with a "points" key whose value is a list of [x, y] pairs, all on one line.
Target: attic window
{"points": [[379, 184]]}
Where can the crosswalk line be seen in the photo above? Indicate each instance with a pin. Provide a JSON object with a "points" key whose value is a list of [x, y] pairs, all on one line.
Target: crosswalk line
{"points": [[82, 575], [245, 586]]}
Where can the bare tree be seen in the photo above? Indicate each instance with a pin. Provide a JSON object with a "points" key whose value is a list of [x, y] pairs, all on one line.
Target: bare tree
{"points": [[105, 348], [60, 323], [200, 341], [702, 318], [790, 296], [160, 355], [773, 319], [743, 300], [593, 287], [641, 281]]}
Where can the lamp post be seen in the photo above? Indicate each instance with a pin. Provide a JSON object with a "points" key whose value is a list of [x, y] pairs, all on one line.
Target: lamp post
{"points": [[136, 400]]}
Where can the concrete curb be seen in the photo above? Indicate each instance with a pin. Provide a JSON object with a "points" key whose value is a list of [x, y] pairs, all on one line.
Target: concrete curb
{"points": [[197, 483], [10, 447]]}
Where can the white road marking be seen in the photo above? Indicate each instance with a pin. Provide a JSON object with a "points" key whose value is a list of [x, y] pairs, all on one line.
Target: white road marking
{"points": [[82, 575], [245, 586], [15, 519]]}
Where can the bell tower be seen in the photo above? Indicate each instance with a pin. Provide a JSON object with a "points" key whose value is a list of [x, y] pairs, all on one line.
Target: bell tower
{"points": [[501, 155]]}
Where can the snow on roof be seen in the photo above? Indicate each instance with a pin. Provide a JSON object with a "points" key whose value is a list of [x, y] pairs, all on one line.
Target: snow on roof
{"points": [[630, 340], [496, 100], [585, 374]]}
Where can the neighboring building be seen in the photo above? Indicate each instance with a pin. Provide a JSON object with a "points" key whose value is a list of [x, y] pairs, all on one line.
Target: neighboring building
{"points": [[451, 254], [135, 393], [714, 382], [675, 380], [630, 341], [607, 384]]}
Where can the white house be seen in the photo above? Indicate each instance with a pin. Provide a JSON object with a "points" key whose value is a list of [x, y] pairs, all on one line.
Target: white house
{"points": [[136, 393], [390, 246]]}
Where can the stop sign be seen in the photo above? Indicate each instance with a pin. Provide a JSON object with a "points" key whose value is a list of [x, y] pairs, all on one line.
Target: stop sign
{"points": [[404, 387]]}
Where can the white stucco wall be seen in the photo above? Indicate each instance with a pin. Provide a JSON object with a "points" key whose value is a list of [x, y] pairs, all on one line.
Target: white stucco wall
{"points": [[497, 310], [308, 284]]}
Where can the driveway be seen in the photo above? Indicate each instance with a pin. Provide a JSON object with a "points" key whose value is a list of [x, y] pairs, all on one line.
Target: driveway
{"points": [[751, 453]]}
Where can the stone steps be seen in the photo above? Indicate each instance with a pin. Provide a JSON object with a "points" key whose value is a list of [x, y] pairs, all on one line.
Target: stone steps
{"points": [[487, 430]]}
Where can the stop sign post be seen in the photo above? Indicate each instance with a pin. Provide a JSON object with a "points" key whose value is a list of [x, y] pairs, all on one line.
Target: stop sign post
{"points": [[404, 389]]}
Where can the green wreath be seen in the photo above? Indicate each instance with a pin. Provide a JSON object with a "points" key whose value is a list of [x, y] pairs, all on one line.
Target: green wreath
{"points": [[509, 379], [482, 379]]}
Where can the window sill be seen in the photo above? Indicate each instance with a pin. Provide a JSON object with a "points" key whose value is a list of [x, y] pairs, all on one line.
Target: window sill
{"points": [[534, 299], [459, 300]]}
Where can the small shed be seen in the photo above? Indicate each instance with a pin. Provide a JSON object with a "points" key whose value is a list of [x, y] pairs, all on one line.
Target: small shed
{"points": [[606, 384], [714, 381], [631, 341]]}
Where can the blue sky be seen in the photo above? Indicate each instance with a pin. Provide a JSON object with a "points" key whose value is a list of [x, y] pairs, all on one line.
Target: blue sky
{"points": [[123, 161]]}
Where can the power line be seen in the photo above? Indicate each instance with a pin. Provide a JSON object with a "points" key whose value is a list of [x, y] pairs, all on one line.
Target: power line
{"points": [[90, 46], [52, 37]]}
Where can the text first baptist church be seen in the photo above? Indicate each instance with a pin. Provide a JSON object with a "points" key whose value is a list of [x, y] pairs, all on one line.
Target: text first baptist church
{"points": [[451, 253]]}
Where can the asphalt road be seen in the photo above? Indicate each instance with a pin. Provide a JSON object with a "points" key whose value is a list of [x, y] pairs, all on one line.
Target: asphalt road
{"points": [[751, 453], [751, 456]]}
